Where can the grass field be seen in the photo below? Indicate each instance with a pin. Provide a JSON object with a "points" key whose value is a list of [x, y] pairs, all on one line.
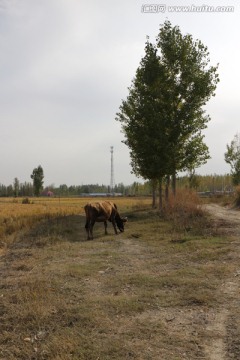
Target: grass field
{"points": [[148, 293], [15, 215]]}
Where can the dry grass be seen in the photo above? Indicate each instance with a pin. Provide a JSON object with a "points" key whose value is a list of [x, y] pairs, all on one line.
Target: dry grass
{"points": [[139, 295], [185, 212], [236, 201], [16, 214]]}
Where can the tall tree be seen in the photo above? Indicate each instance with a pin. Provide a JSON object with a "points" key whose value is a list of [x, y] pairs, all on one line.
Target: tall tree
{"points": [[142, 118], [163, 116], [232, 157], [37, 176], [16, 187], [190, 84]]}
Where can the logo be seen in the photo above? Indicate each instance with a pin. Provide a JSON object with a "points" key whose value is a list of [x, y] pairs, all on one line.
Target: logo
{"points": [[153, 8]]}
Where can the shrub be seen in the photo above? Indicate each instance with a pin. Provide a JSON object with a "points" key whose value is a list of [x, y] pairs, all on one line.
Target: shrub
{"points": [[184, 210], [237, 196], [26, 201]]}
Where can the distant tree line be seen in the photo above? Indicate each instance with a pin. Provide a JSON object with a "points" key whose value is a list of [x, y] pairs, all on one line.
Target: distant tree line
{"points": [[77, 190], [208, 183], [27, 189], [17, 189]]}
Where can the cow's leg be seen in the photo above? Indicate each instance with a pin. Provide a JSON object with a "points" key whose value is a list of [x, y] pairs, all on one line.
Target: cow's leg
{"points": [[87, 229], [114, 226], [91, 229], [105, 226]]}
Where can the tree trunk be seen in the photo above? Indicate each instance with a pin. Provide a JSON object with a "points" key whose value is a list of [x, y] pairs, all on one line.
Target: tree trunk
{"points": [[167, 189], [174, 184], [160, 194], [154, 187]]}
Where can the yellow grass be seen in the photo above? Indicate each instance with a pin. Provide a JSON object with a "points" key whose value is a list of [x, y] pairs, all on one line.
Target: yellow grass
{"points": [[15, 216]]}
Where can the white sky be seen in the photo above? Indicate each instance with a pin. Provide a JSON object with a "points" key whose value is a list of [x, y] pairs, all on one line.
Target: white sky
{"points": [[65, 67]]}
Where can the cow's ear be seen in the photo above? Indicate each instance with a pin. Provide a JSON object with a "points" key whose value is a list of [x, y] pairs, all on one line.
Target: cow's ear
{"points": [[125, 219]]}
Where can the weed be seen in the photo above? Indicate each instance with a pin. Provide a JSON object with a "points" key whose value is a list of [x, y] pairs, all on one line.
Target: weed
{"points": [[185, 212], [26, 201], [237, 196]]}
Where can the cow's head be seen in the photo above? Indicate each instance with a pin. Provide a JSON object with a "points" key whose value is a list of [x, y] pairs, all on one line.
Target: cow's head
{"points": [[120, 223]]}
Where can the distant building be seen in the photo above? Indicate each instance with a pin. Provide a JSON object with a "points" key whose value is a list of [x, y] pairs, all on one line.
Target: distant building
{"points": [[100, 194], [47, 192]]}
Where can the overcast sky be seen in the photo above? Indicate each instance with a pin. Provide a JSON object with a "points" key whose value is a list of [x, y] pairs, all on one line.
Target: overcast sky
{"points": [[65, 67]]}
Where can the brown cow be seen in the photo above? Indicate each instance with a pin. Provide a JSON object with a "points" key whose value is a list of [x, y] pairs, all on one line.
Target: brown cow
{"points": [[101, 212]]}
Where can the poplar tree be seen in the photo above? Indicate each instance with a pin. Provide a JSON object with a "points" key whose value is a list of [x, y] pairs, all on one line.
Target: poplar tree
{"points": [[37, 177], [163, 116], [16, 187]]}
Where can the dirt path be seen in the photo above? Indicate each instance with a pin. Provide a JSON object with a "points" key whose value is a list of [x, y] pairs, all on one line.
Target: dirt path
{"points": [[229, 217], [225, 325]]}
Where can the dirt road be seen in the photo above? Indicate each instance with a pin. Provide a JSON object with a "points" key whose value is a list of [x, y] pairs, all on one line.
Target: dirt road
{"points": [[224, 327], [225, 217]]}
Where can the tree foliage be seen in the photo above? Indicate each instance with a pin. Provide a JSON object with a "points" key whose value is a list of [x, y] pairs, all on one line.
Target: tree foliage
{"points": [[37, 177], [163, 116], [232, 157]]}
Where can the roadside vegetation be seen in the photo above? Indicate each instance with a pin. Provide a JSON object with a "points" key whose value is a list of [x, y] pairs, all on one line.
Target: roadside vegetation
{"points": [[237, 196], [148, 293]]}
